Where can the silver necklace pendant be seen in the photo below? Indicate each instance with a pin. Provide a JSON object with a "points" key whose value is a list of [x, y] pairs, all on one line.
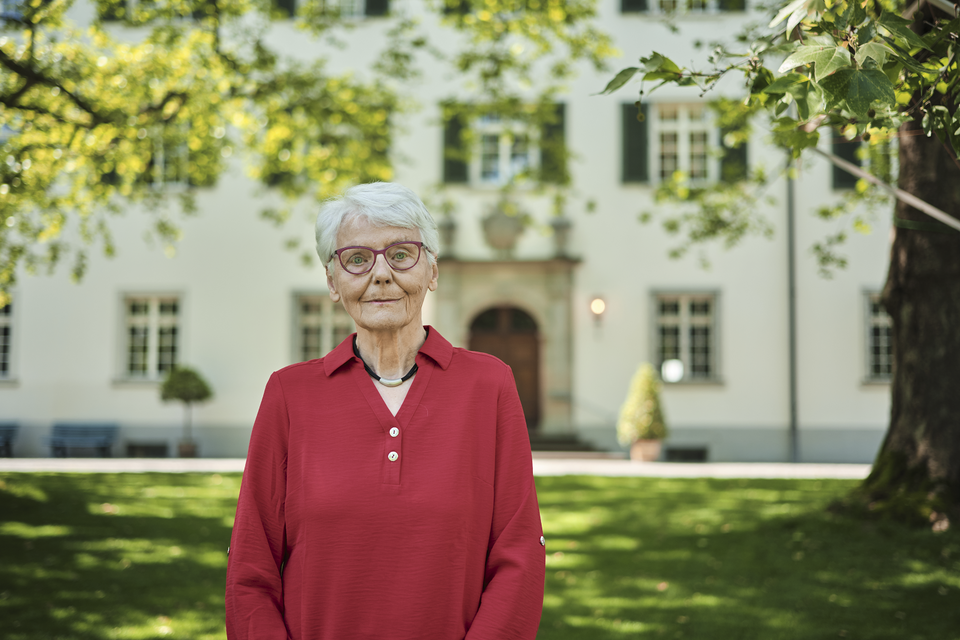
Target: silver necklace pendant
{"points": [[390, 383]]}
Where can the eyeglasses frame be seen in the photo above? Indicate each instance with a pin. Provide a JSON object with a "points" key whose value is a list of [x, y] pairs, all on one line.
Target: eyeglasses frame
{"points": [[377, 252]]}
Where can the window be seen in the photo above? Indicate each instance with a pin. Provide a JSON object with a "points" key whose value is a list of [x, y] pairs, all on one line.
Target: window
{"points": [[879, 340], [151, 340], [346, 8], [6, 341], [321, 325], [503, 149], [115, 11], [684, 138], [686, 331], [681, 6], [505, 152], [170, 161]]}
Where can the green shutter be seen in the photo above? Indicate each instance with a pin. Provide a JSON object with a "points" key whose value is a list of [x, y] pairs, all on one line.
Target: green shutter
{"points": [[632, 6], [288, 7], [732, 5], [847, 150], [553, 148], [733, 160], [377, 7], [456, 7], [635, 165], [454, 155]]}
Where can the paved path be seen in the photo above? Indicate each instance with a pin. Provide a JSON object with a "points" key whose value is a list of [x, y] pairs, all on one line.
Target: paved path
{"points": [[544, 464]]}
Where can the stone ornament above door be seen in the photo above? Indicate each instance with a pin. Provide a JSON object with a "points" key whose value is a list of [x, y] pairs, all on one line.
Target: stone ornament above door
{"points": [[502, 227]]}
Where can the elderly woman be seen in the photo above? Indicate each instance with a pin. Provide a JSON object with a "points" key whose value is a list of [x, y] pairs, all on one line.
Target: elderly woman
{"points": [[388, 490]]}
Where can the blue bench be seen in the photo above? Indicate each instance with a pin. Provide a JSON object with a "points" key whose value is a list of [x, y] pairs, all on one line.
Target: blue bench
{"points": [[8, 431], [98, 436]]}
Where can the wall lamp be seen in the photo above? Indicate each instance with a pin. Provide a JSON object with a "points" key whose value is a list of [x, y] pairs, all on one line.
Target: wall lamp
{"points": [[597, 307]]}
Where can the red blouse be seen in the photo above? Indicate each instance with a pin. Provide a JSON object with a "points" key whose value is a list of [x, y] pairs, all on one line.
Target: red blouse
{"points": [[353, 523]]}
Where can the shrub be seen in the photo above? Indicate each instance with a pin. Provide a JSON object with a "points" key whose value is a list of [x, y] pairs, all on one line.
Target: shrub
{"points": [[641, 417]]}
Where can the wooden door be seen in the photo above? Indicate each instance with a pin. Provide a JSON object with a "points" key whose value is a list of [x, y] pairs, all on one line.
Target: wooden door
{"points": [[511, 335]]}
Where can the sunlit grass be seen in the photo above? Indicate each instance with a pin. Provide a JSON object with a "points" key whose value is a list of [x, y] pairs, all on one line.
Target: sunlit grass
{"points": [[142, 556]]}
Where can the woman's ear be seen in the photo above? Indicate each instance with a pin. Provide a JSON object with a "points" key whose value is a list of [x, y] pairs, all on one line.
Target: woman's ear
{"points": [[435, 272], [334, 294]]}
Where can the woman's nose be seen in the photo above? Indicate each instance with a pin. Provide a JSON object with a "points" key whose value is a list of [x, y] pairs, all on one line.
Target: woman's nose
{"points": [[381, 270]]}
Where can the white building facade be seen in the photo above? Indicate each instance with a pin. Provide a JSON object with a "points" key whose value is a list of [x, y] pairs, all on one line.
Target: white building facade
{"points": [[236, 305]]}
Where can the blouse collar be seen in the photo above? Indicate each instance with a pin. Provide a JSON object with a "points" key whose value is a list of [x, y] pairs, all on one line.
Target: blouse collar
{"points": [[436, 347]]}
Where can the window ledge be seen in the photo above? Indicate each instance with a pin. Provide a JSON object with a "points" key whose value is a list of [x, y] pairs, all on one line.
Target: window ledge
{"points": [[712, 382], [9, 383], [119, 383], [876, 382]]}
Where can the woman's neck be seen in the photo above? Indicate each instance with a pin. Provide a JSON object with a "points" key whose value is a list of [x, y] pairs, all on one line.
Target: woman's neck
{"points": [[391, 354]]}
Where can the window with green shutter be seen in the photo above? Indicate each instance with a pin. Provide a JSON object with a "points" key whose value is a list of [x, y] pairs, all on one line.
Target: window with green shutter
{"points": [[635, 163], [454, 149], [849, 151]]}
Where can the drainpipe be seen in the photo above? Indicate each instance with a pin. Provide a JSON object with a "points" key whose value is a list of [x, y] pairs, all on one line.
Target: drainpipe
{"points": [[792, 312]]}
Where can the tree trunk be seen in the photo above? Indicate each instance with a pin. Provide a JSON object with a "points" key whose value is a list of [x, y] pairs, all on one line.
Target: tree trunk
{"points": [[916, 475]]}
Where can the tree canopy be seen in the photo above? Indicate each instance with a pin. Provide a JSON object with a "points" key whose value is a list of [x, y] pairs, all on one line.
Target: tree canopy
{"points": [[98, 116]]}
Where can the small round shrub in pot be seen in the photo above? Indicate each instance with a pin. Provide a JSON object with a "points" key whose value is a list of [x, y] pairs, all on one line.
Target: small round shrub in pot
{"points": [[187, 386], [641, 425]]}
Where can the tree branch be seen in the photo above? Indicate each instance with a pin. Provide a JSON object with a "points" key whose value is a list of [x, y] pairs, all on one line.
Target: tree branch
{"points": [[32, 75], [896, 192]]}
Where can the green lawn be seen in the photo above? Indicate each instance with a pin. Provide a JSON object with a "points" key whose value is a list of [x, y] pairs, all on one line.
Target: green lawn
{"points": [[96, 556]]}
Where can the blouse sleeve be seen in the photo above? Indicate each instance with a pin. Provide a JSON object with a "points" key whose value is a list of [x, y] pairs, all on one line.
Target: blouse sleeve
{"points": [[254, 596], [512, 599]]}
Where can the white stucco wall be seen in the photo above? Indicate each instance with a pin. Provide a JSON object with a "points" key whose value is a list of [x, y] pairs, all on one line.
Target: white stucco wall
{"points": [[236, 284]]}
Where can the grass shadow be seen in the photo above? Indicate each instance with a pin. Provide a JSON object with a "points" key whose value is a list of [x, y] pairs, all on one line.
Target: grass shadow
{"points": [[736, 559]]}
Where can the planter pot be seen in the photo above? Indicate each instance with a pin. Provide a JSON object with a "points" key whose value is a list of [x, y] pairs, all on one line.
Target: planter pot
{"points": [[646, 450], [187, 449]]}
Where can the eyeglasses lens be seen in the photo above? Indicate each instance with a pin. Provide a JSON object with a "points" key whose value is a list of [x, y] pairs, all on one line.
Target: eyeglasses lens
{"points": [[400, 257]]}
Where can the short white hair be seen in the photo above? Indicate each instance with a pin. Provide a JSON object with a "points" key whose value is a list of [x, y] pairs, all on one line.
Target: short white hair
{"points": [[383, 204]]}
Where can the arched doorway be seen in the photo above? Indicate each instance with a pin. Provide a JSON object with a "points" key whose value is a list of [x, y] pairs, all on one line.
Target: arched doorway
{"points": [[511, 335]]}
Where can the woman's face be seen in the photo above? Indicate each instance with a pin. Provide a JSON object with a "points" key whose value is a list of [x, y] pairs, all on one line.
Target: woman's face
{"points": [[381, 299]]}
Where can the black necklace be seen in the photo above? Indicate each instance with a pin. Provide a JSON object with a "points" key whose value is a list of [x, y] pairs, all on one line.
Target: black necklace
{"points": [[384, 381]]}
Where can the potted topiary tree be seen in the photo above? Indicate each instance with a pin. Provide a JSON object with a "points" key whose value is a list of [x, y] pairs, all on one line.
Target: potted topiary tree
{"points": [[187, 386], [641, 425]]}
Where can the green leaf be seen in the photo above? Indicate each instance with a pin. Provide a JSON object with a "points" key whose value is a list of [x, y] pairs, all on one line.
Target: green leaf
{"points": [[784, 84], [876, 50], [790, 9], [900, 28], [619, 80], [905, 58], [859, 89], [826, 60]]}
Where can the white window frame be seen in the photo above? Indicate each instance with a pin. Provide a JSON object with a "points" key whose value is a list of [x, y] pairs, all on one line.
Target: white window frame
{"points": [[684, 7], [684, 126], [8, 322], [153, 321], [506, 132], [181, 155], [685, 321], [354, 9], [870, 322], [331, 320]]}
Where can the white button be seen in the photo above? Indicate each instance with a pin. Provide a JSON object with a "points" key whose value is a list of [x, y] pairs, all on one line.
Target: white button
{"points": [[543, 541], [392, 456], [394, 432]]}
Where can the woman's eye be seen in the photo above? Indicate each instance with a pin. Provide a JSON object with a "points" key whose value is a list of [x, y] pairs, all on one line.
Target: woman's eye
{"points": [[400, 255], [356, 260]]}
